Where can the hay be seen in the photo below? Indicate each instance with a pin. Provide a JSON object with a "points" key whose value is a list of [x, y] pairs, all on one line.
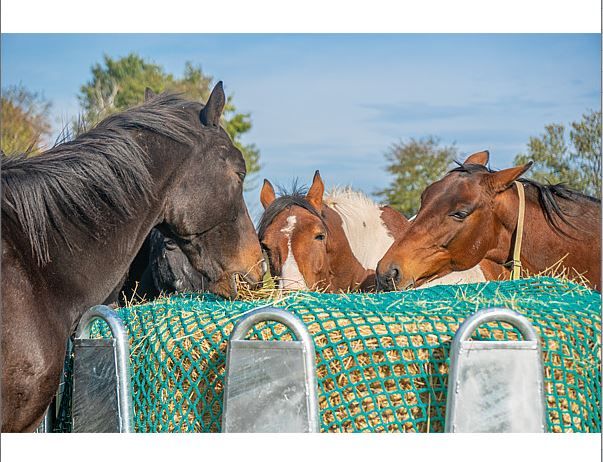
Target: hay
{"points": [[382, 359]]}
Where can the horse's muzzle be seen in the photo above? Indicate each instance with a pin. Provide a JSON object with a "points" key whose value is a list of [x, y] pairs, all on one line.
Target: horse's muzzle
{"points": [[252, 281], [228, 285], [389, 279]]}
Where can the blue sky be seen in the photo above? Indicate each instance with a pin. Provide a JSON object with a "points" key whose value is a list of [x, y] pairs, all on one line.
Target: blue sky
{"points": [[337, 102]]}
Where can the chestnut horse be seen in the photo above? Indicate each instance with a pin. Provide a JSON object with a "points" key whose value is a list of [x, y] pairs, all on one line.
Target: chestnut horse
{"points": [[470, 216], [74, 218], [331, 243]]}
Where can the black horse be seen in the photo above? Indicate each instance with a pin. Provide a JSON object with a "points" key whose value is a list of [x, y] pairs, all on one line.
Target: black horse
{"points": [[160, 268], [74, 218]]}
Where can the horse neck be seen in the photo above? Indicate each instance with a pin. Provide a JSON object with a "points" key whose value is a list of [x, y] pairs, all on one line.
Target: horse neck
{"points": [[542, 246], [364, 228], [88, 274], [345, 271]]}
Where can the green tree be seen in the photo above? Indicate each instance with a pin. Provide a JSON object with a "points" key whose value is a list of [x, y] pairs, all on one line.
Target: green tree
{"points": [[119, 84], [575, 162], [415, 164], [25, 120]]}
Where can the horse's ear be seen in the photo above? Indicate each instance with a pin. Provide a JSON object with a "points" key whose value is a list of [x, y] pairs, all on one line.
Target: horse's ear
{"points": [[480, 158], [211, 113], [316, 191], [148, 94], [267, 195], [502, 179]]}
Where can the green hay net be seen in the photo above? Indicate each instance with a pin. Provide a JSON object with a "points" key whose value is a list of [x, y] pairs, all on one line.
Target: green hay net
{"points": [[381, 359]]}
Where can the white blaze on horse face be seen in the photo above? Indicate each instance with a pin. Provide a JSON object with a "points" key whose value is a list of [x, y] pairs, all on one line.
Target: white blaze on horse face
{"points": [[291, 278]]}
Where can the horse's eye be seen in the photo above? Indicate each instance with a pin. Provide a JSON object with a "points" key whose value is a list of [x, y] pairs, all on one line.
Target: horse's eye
{"points": [[320, 237], [170, 245], [241, 175], [460, 214]]}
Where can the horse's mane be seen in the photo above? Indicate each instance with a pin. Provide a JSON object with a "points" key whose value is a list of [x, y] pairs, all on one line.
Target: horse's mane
{"points": [[354, 207], [348, 195], [547, 196], [296, 195], [93, 182]]}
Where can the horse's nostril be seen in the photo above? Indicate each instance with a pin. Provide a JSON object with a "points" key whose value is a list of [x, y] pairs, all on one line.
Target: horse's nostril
{"points": [[394, 274], [389, 279]]}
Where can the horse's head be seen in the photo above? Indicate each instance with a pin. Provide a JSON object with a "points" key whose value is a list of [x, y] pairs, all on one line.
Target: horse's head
{"points": [[170, 269], [456, 226], [204, 211], [293, 233]]}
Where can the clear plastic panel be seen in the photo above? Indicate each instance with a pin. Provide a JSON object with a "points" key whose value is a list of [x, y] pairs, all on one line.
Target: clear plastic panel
{"points": [[267, 391], [498, 388]]}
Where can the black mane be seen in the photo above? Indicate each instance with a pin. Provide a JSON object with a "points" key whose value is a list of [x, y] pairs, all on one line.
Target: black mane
{"points": [[547, 195], [297, 196], [102, 173]]}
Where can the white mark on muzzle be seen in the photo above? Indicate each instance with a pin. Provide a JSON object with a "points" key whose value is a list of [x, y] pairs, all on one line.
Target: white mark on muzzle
{"points": [[291, 277]]}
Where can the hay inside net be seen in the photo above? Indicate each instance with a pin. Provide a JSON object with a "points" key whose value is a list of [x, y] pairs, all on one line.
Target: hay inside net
{"points": [[381, 359]]}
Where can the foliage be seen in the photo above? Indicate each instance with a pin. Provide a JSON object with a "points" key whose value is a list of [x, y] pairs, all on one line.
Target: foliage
{"points": [[25, 120], [577, 163], [415, 164], [119, 84]]}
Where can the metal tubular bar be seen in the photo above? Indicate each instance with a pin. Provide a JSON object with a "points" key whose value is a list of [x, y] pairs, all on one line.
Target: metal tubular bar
{"points": [[301, 333], [470, 325], [122, 357], [47, 424]]}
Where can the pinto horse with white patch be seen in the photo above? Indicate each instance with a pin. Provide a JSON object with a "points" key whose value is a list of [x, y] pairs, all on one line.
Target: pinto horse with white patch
{"points": [[331, 243]]}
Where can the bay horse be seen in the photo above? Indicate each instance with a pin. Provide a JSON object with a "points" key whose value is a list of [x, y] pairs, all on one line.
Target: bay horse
{"points": [[470, 216], [74, 217], [331, 243]]}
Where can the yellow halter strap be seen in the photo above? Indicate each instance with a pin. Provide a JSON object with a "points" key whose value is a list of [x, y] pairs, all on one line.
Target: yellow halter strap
{"points": [[516, 271]]}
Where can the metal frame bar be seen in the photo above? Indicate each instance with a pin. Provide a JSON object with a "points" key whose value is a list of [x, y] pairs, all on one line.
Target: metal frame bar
{"points": [[470, 325], [258, 315], [47, 424], [464, 333], [122, 358]]}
